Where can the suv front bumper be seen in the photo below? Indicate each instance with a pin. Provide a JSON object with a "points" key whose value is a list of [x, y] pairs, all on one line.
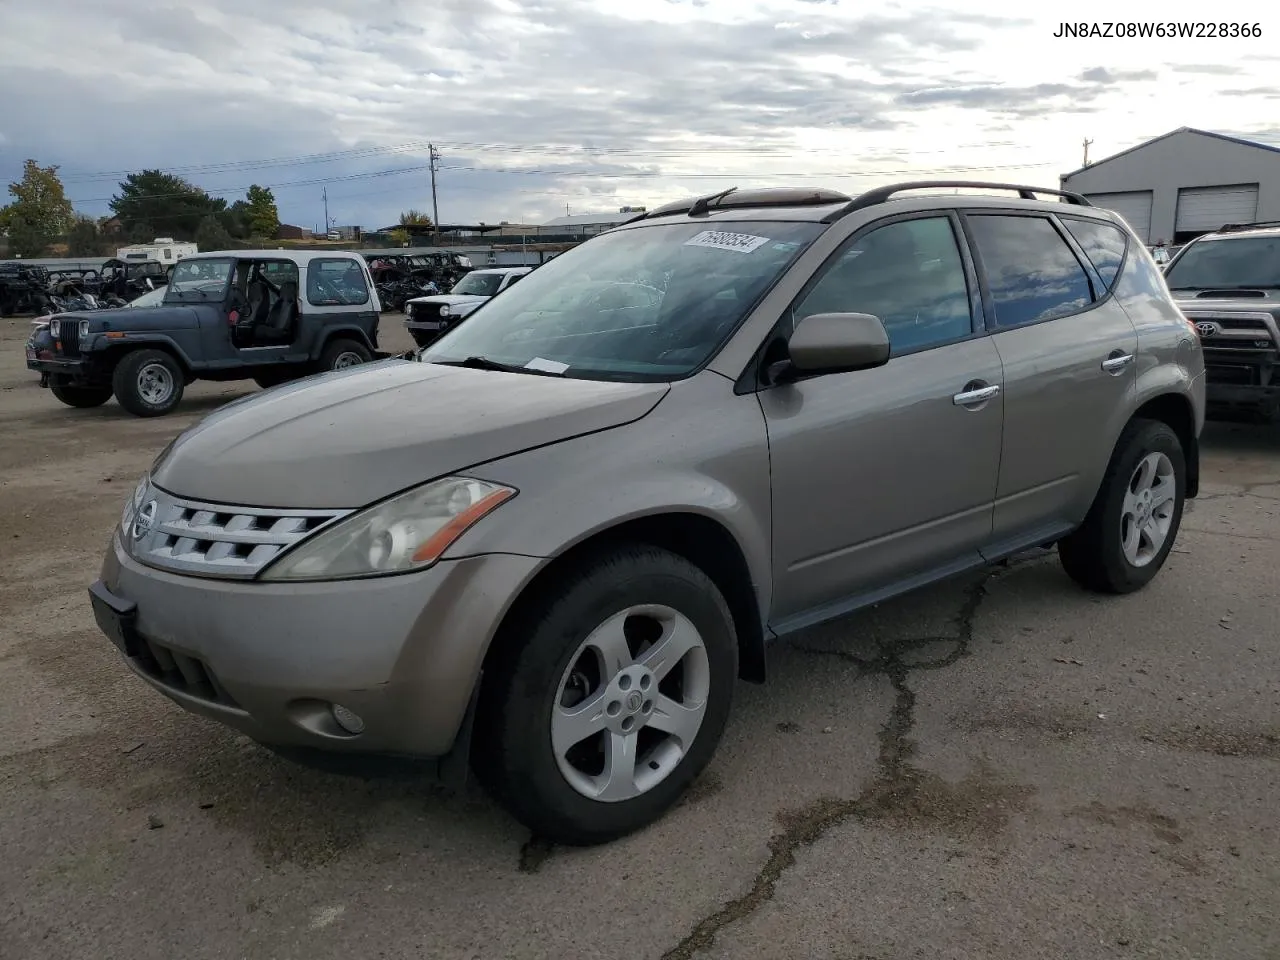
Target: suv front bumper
{"points": [[271, 660]]}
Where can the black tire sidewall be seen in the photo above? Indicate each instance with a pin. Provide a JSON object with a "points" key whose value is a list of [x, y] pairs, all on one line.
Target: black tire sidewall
{"points": [[82, 398], [535, 788], [1145, 439], [124, 381]]}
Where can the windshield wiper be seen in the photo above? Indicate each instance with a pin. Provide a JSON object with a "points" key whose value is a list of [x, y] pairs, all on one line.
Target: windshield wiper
{"points": [[484, 363]]}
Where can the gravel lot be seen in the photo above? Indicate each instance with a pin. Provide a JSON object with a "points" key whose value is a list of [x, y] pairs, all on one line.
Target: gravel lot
{"points": [[1002, 767]]}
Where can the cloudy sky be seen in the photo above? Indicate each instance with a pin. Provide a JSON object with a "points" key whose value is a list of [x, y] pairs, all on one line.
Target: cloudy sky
{"points": [[538, 106]]}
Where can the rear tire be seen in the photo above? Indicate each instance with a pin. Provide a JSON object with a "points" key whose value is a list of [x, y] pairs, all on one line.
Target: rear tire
{"points": [[78, 396], [148, 383], [1134, 520], [660, 718], [342, 353]]}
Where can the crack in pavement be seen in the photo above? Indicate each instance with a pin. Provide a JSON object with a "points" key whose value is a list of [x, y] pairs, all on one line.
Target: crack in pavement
{"points": [[900, 791]]}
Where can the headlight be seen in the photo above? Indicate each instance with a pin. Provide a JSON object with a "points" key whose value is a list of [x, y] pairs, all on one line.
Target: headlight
{"points": [[408, 532], [84, 329], [133, 503], [55, 327], [444, 309]]}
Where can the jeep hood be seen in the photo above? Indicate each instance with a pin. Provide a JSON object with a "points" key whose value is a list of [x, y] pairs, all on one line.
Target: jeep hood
{"points": [[347, 438], [451, 299]]}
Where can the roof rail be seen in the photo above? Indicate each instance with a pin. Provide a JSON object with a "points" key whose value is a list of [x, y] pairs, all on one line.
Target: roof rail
{"points": [[1236, 227], [881, 194], [733, 197]]}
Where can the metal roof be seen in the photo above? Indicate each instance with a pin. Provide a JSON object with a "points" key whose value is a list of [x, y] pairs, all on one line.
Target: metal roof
{"points": [[588, 219], [1239, 141]]}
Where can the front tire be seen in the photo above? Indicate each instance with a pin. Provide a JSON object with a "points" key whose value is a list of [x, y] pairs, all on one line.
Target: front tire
{"points": [[148, 383], [78, 396], [609, 694], [1134, 521]]}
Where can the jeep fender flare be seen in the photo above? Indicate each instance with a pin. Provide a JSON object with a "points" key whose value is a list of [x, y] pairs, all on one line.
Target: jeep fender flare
{"points": [[347, 331], [138, 341]]}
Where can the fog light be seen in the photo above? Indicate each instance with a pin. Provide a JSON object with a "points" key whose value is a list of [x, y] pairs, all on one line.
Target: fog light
{"points": [[347, 720]]}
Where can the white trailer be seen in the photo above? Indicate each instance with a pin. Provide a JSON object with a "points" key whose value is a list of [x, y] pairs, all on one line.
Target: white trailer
{"points": [[163, 249]]}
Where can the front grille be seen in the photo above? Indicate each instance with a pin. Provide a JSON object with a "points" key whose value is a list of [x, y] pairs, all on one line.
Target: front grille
{"points": [[69, 338], [216, 540], [1237, 332], [1233, 376], [424, 311], [181, 672]]}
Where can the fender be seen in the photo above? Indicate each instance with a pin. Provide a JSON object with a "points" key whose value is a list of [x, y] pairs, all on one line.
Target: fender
{"points": [[136, 340], [350, 330]]}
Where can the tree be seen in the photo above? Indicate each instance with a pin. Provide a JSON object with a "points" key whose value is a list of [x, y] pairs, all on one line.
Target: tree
{"points": [[236, 220], [163, 202], [414, 218], [399, 236], [212, 235], [84, 239], [39, 213], [264, 218]]}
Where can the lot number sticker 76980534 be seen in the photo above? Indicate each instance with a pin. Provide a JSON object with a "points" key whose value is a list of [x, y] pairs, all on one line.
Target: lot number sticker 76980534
{"points": [[720, 240]]}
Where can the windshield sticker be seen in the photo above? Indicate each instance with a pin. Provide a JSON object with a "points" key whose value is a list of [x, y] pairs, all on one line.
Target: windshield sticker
{"points": [[719, 240], [546, 366]]}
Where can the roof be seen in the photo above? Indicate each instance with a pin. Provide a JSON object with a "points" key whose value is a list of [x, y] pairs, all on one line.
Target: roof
{"points": [[588, 219], [301, 256], [444, 227], [1239, 141]]}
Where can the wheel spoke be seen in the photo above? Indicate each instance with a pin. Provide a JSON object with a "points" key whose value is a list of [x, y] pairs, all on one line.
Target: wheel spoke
{"points": [[678, 639], [1145, 474], [1132, 538], [610, 641], [1152, 533], [1163, 492], [618, 781], [570, 726], [678, 719]]}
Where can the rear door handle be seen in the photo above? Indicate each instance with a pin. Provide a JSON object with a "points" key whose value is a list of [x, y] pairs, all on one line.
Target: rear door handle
{"points": [[1116, 363], [967, 398]]}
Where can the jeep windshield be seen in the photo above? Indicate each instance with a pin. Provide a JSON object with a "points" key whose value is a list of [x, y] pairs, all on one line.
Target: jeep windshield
{"points": [[478, 285], [1235, 263], [196, 280], [652, 303]]}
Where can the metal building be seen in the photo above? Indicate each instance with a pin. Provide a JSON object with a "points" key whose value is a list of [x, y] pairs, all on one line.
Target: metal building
{"points": [[1186, 183]]}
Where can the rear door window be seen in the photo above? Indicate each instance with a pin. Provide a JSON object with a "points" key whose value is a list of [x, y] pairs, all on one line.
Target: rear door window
{"points": [[1102, 243], [1031, 271], [336, 281]]}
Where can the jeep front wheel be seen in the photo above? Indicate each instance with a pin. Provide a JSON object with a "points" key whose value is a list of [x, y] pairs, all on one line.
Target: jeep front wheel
{"points": [[341, 354], [148, 383], [78, 396]]}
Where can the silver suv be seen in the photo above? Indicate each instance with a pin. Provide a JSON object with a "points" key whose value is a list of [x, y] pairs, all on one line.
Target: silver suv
{"points": [[792, 404]]}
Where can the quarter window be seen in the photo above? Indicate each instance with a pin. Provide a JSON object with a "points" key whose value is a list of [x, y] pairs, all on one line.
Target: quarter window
{"points": [[1032, 272], [1102, 243], [336, 281], [909, 274]]}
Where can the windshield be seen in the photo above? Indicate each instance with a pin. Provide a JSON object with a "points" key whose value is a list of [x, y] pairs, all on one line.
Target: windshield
{"points": [[646, 304], [1237, 263], [478, 284], [198, 280]]}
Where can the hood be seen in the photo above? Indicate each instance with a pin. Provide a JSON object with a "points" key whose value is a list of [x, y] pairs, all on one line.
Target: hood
{"points": [[1254, 298], [345, 439], [452, 299]]}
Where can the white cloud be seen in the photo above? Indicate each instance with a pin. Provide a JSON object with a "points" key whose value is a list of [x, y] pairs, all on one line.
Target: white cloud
{"points": [[594, 103]]}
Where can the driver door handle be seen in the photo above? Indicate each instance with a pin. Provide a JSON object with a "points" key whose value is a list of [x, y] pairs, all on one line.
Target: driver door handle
{"points": [[967, 398]]}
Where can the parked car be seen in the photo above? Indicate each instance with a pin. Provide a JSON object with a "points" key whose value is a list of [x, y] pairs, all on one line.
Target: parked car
{"points": [[1228, 284], [265, 315], [428, 317], [554, 540]]}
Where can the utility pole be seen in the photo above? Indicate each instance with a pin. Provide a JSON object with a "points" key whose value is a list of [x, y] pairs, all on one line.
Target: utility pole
{"points": [[324, 192], [435, 204], [1086, 152]]}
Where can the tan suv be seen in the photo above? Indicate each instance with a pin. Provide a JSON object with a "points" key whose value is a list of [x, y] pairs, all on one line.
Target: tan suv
{"points": [[789, 404]]}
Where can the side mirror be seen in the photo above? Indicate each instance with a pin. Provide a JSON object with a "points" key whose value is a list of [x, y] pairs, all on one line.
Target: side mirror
{"points": [[835, 343]]}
